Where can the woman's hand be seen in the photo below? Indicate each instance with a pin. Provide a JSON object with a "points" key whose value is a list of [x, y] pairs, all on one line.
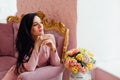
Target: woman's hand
{"points": [[44, 40], [49, 42], [37, 44]]}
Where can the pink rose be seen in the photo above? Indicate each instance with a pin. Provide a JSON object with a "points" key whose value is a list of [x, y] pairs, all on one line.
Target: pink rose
{"points": [[79, 66], [74, 51], [83, 69], [67, 62], [73, 62]]}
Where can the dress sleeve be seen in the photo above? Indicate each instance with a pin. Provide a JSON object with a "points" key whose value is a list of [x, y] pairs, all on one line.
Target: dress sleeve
{"points": [[54, 57], [33, 61]]}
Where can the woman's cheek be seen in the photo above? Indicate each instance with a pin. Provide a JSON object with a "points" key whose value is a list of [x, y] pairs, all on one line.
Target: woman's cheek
{"points": [[34, 31]]}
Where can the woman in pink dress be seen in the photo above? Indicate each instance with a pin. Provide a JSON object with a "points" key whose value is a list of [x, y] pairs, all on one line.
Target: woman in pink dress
{"points": [[35, 49]]}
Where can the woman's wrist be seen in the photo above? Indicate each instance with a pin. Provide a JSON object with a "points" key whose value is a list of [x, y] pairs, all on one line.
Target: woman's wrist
{"points": [[36, 49]]}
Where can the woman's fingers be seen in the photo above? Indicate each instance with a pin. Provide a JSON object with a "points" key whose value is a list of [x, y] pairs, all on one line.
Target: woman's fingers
{"points": [[49, 43], [41, 40], [46, 41]]}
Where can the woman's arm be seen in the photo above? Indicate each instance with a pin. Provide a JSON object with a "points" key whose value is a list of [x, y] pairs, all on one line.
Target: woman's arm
{"points": [[33, 61], [51, 43], [54, 57]]}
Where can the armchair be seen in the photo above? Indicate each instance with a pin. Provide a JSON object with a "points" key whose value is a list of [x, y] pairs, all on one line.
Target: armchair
{"points": [[61, 36]]}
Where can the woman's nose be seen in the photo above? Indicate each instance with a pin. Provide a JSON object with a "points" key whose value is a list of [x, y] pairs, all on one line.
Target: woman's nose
{"points": [[39, 26]]}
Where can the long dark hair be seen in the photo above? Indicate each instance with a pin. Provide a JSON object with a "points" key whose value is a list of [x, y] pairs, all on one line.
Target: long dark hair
{"points": [[24, 41]]}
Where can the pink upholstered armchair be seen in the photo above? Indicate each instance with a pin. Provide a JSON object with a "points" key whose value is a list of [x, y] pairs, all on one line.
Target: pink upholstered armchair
{"points": [[61, 36]]}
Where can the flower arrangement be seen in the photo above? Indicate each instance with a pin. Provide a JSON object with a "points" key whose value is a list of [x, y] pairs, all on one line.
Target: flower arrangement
{"points": [[79, 60]]}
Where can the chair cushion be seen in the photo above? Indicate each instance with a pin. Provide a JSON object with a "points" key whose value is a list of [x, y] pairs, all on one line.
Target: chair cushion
{"points": [[6, 62], [15, 31], [6, 39], [2, 74]]}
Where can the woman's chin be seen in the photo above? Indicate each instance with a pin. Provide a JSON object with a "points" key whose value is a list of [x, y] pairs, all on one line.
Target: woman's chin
{"points": [[41, 34]]}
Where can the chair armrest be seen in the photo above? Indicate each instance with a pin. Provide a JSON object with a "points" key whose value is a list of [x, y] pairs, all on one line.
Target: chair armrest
{"points": [[43, 73]]}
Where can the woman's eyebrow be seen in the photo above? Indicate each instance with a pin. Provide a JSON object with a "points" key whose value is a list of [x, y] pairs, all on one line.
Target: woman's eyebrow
{"points": [[37, 21], [34, 22]]}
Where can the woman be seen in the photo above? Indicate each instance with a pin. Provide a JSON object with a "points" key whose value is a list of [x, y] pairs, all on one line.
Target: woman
{"points": [[35, 49]]}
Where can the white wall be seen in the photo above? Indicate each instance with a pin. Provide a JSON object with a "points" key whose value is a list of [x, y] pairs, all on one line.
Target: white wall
{"points": [[7, 8], [98, 30]]}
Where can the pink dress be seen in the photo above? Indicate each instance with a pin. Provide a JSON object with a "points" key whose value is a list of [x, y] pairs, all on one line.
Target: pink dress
{"points": [[37, 60]]}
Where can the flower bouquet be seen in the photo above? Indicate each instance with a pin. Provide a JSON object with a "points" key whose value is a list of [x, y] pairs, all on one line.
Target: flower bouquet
{"points": [[79, 61]]}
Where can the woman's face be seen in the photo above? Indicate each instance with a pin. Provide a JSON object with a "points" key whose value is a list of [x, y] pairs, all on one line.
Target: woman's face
{"points": [[37, 27]]}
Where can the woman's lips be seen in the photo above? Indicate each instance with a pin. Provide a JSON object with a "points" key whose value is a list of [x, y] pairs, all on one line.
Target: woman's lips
{"points": [[40, 30]]}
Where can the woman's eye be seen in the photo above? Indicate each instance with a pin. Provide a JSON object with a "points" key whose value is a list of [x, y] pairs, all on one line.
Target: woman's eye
{"points": [[35, 24]]}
